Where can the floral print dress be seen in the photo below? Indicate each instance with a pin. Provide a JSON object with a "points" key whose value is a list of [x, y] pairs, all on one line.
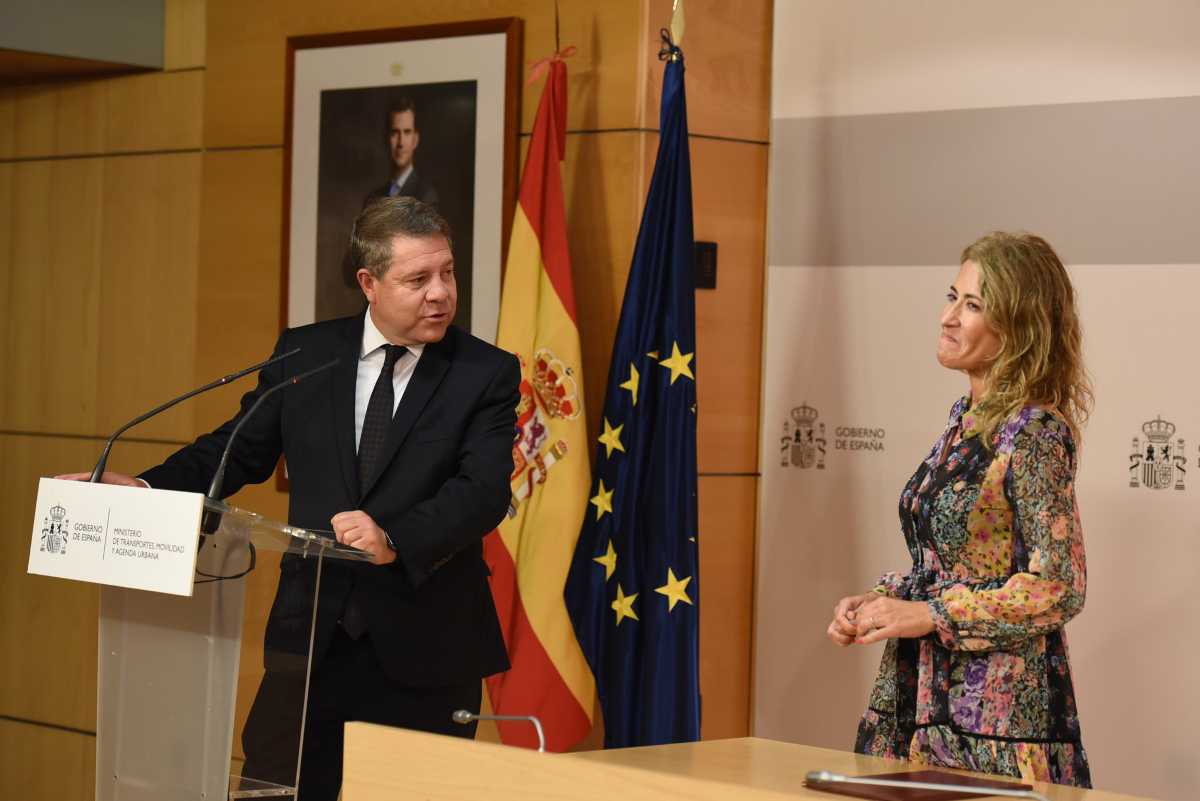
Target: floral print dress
{"points": [[997, 553]]}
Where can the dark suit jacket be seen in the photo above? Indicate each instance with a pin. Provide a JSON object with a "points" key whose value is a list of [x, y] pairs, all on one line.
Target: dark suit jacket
{"points": [[443, 484], [413, 186]]}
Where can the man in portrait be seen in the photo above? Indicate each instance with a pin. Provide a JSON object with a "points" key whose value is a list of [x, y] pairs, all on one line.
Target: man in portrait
{"points": [[403, 138]]}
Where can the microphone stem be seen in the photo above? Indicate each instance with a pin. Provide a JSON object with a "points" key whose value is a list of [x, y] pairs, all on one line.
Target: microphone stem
{"points": [[98, 471], [537, 725], [463, 716], [218, 480]]}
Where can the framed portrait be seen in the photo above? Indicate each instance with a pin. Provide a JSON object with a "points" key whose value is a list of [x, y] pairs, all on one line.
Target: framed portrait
{"points": [[431, 112]]}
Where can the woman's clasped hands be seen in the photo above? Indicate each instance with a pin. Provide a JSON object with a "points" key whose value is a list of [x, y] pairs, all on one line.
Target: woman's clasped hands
{"points": [[872, 616]]}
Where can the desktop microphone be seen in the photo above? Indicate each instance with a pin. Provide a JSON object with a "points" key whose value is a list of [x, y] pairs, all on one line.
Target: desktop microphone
{"points": [[464, 717], [99, 469], [818, 777], [211, 520]]}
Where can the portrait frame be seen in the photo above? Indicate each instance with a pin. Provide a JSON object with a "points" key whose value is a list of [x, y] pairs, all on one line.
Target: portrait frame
{"points": [[455, 70], [486, 53]]}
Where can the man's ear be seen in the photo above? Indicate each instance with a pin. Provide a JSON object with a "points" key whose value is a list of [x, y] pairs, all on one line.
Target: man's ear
{"points": [[366, 282], [416, 138]]}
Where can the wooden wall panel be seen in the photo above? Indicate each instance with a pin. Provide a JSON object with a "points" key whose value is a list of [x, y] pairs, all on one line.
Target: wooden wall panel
{"points": [[34, 113], [99, 291], [160, 111], [727, 522], [150, 112], [48, 628], [8, 204], [729, 195], [183, 34], [41, 763], [8, 121], [727, 47], [56, 119], [245, 62], [7, 209], [238, 300], [148, 254], [51, 315], [78, 112]]}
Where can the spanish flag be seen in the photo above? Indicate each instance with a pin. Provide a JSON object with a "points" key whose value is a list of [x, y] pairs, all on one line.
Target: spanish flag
{"points": [[530, 553]]}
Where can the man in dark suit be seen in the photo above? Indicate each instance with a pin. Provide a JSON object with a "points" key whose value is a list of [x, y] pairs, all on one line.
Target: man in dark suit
{"points": [[403, 137], [404, 449]]}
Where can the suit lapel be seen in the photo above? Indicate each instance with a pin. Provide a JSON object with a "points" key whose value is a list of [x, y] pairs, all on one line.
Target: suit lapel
{"points": [[431, 369], [345, 378], [409, 187]]}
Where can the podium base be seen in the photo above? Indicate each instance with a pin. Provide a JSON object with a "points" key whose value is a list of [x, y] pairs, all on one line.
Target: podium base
{"points": [[241, 787]]}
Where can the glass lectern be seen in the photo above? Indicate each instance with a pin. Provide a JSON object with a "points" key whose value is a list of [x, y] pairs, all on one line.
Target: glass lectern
{"points": [[168, 672]]}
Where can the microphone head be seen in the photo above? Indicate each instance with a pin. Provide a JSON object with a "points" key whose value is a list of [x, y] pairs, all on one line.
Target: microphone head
{"points": [[462, 716]]}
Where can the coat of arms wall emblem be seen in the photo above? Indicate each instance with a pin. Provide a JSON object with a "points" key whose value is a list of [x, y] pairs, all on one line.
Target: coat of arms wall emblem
{"points": [[803, 441], [1159, 462]]}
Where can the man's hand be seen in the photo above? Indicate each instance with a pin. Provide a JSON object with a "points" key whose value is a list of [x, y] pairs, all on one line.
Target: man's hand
{"points": [[884, 618], [358, 530], [120, 479]]}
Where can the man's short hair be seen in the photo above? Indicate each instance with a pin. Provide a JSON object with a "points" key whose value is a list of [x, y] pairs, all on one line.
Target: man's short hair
{"points": [[403, 103], [383, 220]]}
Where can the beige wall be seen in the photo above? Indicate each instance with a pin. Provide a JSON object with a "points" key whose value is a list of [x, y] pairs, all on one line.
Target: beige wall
{"points": [[153, 204], [900, 133]]}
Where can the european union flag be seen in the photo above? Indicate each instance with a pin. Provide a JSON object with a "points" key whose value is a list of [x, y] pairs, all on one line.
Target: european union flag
{"points": [[633, 588]]}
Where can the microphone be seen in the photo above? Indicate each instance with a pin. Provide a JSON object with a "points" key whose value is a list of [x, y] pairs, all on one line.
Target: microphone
{"points": [[817, 777], [99, 469], [464, 717], [211, 520]]}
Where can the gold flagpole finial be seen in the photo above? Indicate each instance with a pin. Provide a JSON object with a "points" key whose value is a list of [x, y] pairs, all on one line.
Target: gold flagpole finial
{"points": [[677, 22]]}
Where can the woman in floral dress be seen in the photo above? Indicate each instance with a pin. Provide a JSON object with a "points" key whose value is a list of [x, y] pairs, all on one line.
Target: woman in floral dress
{"points": [[975, 672]]}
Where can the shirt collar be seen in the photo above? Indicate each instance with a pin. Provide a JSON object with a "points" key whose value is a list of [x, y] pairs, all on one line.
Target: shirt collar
{"points": [[399, 180], [373, 340]]}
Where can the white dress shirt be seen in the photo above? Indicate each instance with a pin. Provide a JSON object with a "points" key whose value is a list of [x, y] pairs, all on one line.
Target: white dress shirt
{"points": [[370, 362]]}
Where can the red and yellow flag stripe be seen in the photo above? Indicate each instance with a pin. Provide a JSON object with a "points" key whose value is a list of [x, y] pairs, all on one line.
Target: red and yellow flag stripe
{"points": [[530, 553]]}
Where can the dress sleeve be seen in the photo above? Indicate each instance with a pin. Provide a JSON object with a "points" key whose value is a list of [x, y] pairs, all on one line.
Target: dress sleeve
{"points": [[1041, 491], [893, 585]]}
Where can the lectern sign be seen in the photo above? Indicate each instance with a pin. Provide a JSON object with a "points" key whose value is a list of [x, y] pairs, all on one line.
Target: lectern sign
{"points": [[123, 536]]}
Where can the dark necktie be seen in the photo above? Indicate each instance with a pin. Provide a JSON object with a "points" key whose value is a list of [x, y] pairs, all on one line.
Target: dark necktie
{"points": [[376, 423], [378, 418]]}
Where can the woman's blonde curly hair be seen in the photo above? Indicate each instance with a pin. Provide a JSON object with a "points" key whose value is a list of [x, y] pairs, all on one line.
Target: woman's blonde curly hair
{"points": [[1030, 303]]}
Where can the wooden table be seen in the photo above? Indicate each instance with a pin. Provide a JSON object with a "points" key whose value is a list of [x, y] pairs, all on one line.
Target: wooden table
{"points": [[383, 763]]}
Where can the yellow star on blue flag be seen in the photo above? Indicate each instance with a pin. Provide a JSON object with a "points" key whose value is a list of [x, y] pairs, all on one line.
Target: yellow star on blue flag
{"points": [[678, 363], [611, 438]]}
